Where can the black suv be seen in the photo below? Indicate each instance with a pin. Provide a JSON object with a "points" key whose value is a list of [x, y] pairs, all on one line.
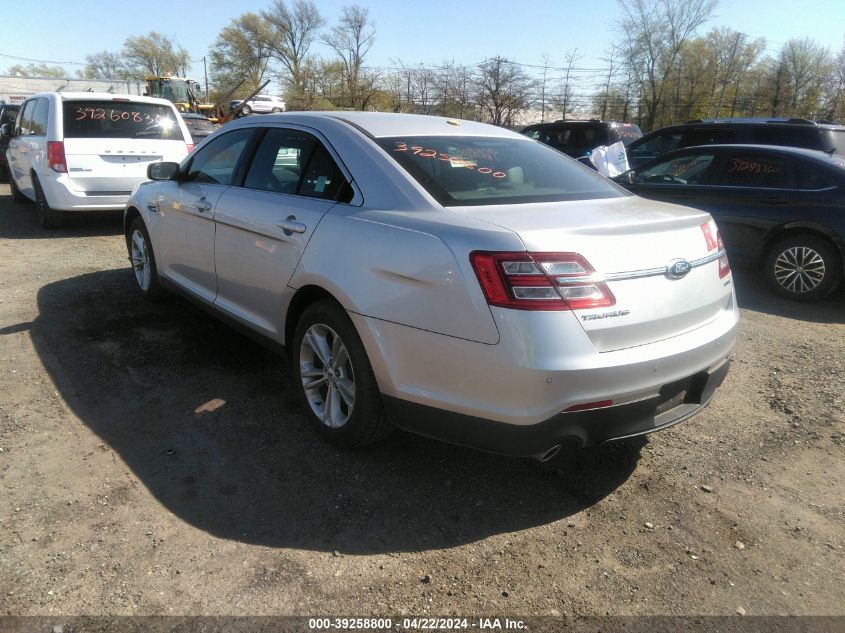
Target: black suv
{"points": [[787, 132], [8, 114], [578, 138]]}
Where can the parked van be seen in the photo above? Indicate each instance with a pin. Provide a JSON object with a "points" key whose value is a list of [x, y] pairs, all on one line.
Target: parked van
{"points": [[87, 151]]}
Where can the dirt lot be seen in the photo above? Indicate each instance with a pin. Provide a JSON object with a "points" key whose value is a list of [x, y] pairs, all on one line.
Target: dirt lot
{"points": [[153, 462]]}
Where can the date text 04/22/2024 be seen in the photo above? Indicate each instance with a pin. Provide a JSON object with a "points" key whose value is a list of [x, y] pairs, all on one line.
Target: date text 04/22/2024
{"points": [[418, 624]]}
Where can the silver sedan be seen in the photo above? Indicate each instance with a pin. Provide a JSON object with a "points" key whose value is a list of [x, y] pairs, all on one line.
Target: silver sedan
{"points": [[447, 277]]}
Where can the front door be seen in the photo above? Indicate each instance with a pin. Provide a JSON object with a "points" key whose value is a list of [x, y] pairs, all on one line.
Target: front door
{"points": [[186, 212]]}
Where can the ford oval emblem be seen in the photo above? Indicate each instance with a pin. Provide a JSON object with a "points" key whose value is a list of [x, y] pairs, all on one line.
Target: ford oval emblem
{"points": [[678, 268]]}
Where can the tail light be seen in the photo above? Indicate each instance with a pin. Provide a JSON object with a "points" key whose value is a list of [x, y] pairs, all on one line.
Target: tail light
{"points": [[190, 147], [539, 281], [724, 264], [56, 156]]}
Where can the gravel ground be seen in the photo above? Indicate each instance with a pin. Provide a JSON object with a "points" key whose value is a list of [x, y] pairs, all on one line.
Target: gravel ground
{"points": [[154, 462]]}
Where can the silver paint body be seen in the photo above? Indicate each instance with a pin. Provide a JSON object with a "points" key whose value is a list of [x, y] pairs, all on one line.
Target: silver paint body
{"points": [[398, 262]]}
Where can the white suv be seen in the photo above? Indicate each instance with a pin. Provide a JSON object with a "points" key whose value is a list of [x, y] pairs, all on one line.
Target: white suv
{"points": [[263, 104], [87, 151]]}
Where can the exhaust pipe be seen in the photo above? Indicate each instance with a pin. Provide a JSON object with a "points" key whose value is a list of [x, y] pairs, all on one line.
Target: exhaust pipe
{"points": [[548, 454]]}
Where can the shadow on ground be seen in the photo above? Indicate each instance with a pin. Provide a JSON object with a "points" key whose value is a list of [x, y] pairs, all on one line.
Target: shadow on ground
{"points": [[19, 221], [753, 294], [205, 419]]}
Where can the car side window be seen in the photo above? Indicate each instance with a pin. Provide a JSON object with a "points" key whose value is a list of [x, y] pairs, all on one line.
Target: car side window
{"points": [[25, 120], [322, 178], [657, 146], [39, 118], [216, 162], [294, 162], [811, 178], [689, 169], [708, 137], [535, 133], [279, 161], [744, 169]]}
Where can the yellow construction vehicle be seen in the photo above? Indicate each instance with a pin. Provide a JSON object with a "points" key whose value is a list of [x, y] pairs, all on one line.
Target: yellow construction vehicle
{"points": [[182, 92]]}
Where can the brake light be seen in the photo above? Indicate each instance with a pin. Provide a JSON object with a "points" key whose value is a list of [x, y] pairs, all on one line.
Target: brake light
{"points": [[724, 264], [539, 281], [601, 404], [56, 156], [190, 147]]}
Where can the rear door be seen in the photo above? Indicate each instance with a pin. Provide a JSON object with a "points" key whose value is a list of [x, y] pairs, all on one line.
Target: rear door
{"points": [[109, 144], [263, 227], [748, 193], [185, 210]]}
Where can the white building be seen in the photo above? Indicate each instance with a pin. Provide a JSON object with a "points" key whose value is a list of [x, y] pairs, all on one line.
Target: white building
{"points": [[17, 89]]}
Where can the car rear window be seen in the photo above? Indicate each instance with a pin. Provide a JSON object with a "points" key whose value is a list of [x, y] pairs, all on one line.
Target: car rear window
{"points": [[199, 125], [835, 141], [464, 171], [120, 119]]}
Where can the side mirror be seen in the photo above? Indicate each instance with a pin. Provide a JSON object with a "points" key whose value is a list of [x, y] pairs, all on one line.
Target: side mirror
{"points": [[629, 176], [6, 131], [162, 171]]}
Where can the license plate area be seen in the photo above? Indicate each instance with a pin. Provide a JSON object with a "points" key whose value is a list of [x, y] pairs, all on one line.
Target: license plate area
{"points": [[685, 391]]}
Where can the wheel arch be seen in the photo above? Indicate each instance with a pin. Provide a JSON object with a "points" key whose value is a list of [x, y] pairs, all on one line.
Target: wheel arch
{"points": [[794, 229], [128, 218], [302, 298]]}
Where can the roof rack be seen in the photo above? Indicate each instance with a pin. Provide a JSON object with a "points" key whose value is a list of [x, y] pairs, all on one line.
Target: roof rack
{"points": [[793, 120]]}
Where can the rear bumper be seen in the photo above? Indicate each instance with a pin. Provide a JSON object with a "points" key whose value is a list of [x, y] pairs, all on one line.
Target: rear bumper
{"points": [[581, 428], [62, 197]]}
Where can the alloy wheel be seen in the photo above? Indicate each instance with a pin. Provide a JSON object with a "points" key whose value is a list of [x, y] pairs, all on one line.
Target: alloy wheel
{"points": [[328, 379], [141, 260], [799, 269]]}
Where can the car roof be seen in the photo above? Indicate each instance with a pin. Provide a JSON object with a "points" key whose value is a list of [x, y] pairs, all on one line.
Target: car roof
{"points": [[100, 96], [777, 149], [387, 124]]}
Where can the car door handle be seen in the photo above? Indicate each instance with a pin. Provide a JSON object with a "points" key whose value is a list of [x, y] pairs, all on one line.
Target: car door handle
{"points": [[775, 200], [202, 205], [291, 226]]}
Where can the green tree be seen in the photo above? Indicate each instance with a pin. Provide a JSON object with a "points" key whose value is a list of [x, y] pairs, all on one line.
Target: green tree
{"points": [[104, 65], [240, 52], [37, 70], [155, 54]]}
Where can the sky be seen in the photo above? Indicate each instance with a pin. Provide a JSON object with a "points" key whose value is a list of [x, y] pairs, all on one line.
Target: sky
{"points": [[418, 33]]}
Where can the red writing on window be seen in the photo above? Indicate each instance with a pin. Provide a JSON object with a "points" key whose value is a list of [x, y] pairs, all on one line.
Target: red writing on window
{"points": [[752, 167], [455, 161]]}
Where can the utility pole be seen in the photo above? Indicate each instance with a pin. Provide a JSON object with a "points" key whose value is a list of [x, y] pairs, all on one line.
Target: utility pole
{"points": [[205, 70]]}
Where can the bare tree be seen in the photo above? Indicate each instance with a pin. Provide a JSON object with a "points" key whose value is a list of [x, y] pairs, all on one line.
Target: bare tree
{"points": [[351, 39], [655, 32], [504, 90], [288, 39], [565, 101]]}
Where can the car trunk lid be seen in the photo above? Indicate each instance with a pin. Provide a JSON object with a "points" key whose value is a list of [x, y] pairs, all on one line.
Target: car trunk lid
{"points": [[660, 262]]}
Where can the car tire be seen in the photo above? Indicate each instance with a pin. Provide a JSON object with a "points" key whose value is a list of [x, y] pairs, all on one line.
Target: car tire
{"points": [[48, 217], [803, 268], [276, 110], [142, 259], [17, 196], [334, 379], [245, 110]]}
